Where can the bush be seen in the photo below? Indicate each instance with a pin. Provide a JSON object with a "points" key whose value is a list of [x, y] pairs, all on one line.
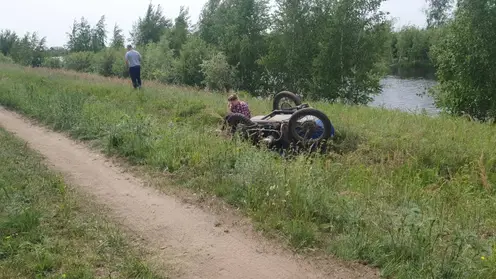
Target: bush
{"points": [[120, 69], [104, 62], [465, 59], [80, 61], [219, 75], [188, 68], [52, 62], [5, 59], [159, 61]]}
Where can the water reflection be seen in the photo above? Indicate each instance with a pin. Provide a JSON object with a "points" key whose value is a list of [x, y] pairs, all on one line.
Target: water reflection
{"points": [[406, 95]]}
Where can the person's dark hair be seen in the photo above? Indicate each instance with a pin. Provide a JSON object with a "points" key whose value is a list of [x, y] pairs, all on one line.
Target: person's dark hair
{"points": [[129, 46], [232, 97]]}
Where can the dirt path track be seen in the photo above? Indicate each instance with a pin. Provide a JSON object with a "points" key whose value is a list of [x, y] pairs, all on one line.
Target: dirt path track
{"points": [[176, 234]]}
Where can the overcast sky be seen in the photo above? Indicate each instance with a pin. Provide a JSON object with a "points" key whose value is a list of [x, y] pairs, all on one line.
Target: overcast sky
{"points": [[53, 18]]}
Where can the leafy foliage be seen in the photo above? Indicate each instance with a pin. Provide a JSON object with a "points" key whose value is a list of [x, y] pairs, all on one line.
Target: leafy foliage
{"points": [[80, 61], [8, 39], [159, 61], [438, 12], [30, 50], [117, 38], [192, 55], [85, 38], [349, 49], [179, 33], [238, 28], [52, 62], [219, 75], [411, 52], [150, 28], [466, 62]]}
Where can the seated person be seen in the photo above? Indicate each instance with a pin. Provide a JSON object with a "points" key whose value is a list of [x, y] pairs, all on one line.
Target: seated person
{"points": [[237, 106]]}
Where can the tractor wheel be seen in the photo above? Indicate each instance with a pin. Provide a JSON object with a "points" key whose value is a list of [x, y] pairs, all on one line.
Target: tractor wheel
{"points": [[310, 131], [237, 121], [285, 100]]}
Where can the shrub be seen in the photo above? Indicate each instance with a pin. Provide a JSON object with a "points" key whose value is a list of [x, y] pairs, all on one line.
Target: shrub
{"points": [[105, 61], [5, 59], [188, 68], [219, 75], [52, 62], [79, 61], [159, 61]]}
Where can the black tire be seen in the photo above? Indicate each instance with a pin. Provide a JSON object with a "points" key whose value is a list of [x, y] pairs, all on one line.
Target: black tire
{"points": [[285, 94], [328, 128], [234, 119], [237, 118]]}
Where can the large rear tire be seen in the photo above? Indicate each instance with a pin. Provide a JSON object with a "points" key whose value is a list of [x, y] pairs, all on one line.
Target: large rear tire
{"points": [[238, 120], [277, 104], [310, 128]]}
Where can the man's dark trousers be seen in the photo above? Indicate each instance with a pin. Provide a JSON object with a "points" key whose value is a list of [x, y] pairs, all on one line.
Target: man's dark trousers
{"points": [[135, 73]]}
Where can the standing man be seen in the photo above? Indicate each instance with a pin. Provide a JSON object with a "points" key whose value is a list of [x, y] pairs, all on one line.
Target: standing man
{"points": [[133, 62]]}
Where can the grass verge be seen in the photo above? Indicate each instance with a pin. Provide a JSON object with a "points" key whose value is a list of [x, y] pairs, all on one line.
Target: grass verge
{"points": [[409, 193], [45, 233]]}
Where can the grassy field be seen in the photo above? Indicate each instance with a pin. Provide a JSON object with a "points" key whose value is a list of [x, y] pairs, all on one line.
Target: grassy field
{"points": [[409, 193], [45, 233]]}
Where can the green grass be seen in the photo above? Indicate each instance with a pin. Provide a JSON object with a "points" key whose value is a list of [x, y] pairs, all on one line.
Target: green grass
{"points": [[46, 232], [411, 194]]}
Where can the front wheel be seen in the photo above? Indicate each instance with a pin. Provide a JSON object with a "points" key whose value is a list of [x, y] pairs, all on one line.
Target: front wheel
{"points": [[309, 126]]}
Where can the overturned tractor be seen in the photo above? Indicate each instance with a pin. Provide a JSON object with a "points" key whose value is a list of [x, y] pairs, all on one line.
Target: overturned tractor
{"points": [[290, 124]]}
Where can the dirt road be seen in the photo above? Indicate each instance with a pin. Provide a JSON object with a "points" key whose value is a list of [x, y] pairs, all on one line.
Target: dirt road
{"points": [[174, 233]]}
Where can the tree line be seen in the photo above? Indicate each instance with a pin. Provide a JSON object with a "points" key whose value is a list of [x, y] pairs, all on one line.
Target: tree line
{"points": [[323, 49]]}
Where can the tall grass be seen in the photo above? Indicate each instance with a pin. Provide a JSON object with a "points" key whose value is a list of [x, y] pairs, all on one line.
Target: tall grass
{"points": [[409, 193], [47, 231]]}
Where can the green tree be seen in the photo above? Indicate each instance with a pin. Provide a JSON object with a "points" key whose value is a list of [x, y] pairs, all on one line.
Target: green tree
{"points": [[293, 46], [8, 40], [159, 61], [150, 28], [99, 35], [30, 50], [438, 12], [351, 45], [56, 51], [238, 28], [208, 26], [179, 33], [412, 47], [117, 38], [219, 75], [465, 59], [188, 65], [80, 37]]}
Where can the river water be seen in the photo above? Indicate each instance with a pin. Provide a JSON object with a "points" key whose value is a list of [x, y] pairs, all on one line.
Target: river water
{"points": [[406, 95]]}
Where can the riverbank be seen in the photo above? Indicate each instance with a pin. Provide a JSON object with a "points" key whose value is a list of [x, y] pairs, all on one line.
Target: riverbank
{"points": [[409, 193], [49, 231]]}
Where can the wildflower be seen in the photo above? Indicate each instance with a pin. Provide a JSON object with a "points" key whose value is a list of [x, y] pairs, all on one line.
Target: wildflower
{"points": [[483, 258]]}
